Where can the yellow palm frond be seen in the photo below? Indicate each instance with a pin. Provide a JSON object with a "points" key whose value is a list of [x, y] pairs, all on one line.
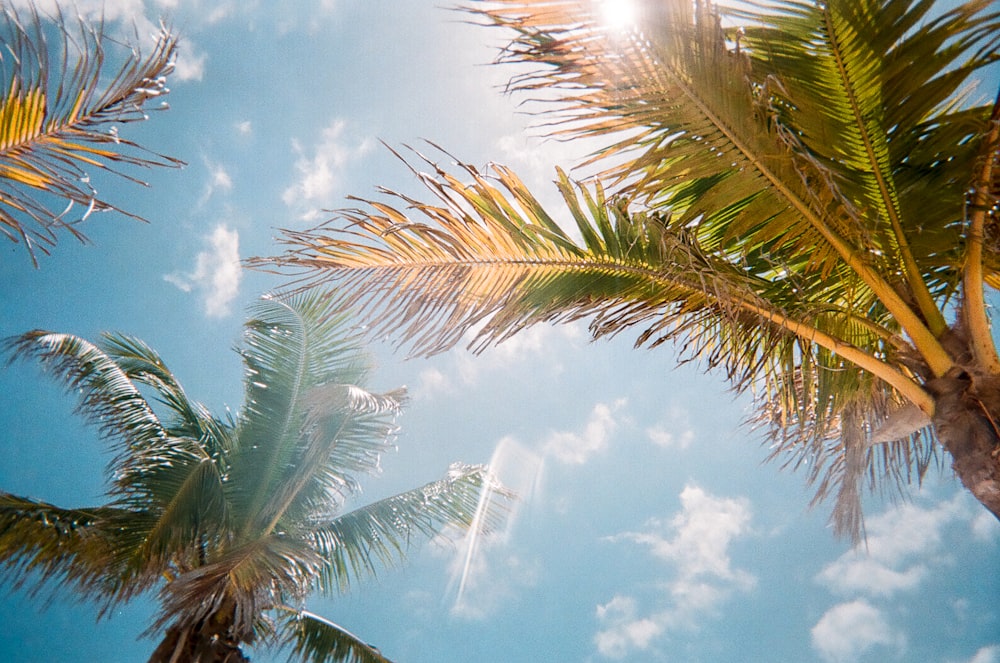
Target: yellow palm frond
{"points": [[59, 121]]}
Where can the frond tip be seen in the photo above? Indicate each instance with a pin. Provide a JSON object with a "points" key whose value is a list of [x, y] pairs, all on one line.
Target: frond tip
{"points": [[318, 640], [61, 106]]}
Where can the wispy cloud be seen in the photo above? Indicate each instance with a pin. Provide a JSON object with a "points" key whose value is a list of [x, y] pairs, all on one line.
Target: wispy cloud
{"points": [[577, 447], [217, 272], [902, 545], [533, 346], [848, 630], [674, 433], [218, 180], [190, 64], [133, 23], [319, 168], [695, 546]]}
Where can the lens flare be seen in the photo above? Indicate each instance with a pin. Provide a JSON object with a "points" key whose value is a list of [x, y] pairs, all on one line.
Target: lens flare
{"points": [[619, 14]]}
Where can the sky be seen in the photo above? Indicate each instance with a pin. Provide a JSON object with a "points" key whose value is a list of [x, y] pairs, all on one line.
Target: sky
{"points": [[648, 528]]}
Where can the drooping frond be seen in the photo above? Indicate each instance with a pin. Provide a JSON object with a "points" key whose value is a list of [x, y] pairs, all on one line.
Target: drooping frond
{"points": [[46, 544], [352, 545], [107, 398], [486, 256], [64, 91], [187, 418], [170, 481], [239, 584], [318, 640]]}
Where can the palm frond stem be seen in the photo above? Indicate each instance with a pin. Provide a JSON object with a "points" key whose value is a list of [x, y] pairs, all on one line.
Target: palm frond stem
{"points": [[974, 303], [261, 495], [924, 300], [864, 360]]}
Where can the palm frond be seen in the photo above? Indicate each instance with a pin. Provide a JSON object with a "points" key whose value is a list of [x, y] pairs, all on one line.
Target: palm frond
{"points": [[49, 544], [107, 398], [766, 119], [237, 585], [355, 543], [294, 349], [59, 118], [346, 429], [489, 257], [486, 256], [318, 640], [189, 418]]}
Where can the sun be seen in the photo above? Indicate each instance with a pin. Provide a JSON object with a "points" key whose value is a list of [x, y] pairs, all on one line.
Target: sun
{"points": [[619, 14]]}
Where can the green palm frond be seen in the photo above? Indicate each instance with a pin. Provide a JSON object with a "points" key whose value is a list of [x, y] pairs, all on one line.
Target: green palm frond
{"points": [[59, 118], [345, 431], [107, 398], [487, 256], [299, 359], [318, 640], [804, 119], [45, 543], [355, 543], [169, 482], [188, 418]]}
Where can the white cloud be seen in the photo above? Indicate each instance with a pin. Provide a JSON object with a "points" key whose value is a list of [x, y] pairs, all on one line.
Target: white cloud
{"points": [[848, 630], [190, 64], [432, 381], [695, 544], [218, 180], [319, 169], [902, 545], [244, 127], [675, 433], [217, 272], [534, 347], [985, 526], [990, 654], [577, 447], [129, 21], [624, 631]]}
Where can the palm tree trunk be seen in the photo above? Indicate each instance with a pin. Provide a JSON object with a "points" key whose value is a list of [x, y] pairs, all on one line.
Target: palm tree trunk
{"points": [[967, 420], [204, 644]]}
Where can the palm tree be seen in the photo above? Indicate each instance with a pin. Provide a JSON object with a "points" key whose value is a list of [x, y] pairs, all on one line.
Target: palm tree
{"points": [[801, 194], [234, 520], [60, 113]]}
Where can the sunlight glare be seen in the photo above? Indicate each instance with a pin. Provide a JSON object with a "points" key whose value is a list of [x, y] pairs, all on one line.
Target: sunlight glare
{"points": [[518, 469], [619, 14]]}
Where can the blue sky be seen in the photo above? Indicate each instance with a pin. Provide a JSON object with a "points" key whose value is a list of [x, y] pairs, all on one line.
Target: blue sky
{"points": [[649, 529]]}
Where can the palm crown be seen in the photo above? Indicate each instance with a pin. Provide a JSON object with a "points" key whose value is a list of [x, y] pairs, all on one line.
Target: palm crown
{"points": [[799, 193], [241, 516]]}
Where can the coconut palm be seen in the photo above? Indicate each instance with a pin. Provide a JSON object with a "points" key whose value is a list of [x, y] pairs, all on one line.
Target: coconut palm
{"points": [[61, 106], [800, 194], [234, 520]]}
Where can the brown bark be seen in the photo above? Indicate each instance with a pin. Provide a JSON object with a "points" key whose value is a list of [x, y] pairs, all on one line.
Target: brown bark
{"points": [[206, 642], [967, 421]]}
